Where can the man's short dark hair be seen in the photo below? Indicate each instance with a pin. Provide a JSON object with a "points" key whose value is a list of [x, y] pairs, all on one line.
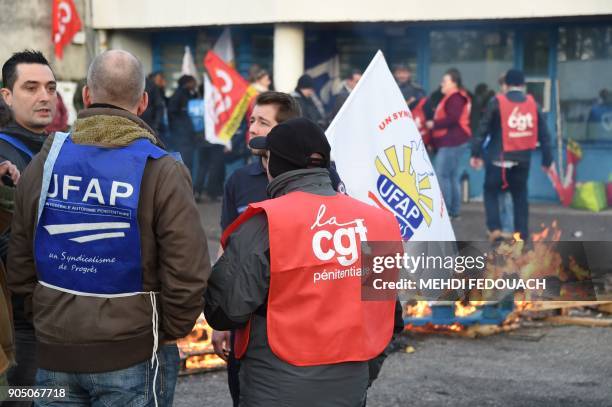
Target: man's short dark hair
{"points": [[287, 106], [6, 115], [153, 74], [402, 67], [185, 79], [351, 74], [28, 56]]}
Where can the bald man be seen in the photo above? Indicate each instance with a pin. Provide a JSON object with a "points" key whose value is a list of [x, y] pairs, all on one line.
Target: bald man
{"points": [[106, 253]]}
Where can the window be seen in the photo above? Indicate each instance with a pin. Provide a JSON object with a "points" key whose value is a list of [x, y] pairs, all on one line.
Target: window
{"points": [[585, 81], [536, 53], [481, 56]]}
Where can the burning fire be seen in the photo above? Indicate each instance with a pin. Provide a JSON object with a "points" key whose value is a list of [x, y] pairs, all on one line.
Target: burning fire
{"points": [[207, 361], [422, 308], [538, 261], [419, 310], [543, 234], [196, 349]]}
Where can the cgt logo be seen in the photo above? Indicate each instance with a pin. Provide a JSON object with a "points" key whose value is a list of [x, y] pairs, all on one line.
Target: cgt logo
{"points": [[520, 121], [342, 243]]}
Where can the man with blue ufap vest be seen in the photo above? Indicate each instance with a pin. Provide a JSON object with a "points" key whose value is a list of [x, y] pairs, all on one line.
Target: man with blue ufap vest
{"points": [[106, 253]]}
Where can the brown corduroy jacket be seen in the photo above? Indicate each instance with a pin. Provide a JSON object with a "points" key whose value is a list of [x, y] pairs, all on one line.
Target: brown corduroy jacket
{"points": [[88, 334], [7, 343]]}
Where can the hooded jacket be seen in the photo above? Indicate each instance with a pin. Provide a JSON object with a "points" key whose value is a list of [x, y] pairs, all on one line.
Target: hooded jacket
{"points": [[490, 125], [89, 334], [238, 290], [34, 141], [311, 108]]}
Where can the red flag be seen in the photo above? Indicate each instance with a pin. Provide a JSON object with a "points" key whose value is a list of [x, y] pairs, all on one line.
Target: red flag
{"points": [[66, 23], [227, 99], [566, 188]]}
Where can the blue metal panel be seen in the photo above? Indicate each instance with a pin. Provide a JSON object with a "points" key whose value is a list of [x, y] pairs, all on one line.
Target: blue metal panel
{"points": [[244, 53], [158, 39], [596, 164], [156, 48], [488, 314], [518, 48], [423, 58]]}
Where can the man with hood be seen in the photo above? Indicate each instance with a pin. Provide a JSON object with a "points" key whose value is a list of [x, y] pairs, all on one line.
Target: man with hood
{"points": [[271, 289]]}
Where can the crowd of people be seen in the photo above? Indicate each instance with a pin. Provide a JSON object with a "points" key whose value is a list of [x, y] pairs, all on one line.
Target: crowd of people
{"points": [[103, 267], [181, 131], [500, 131]]}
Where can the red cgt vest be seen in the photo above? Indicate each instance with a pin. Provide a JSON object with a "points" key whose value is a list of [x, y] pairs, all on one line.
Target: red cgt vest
{"points": [[418, 114], [464, 119], [315, 314], [519, 123]]}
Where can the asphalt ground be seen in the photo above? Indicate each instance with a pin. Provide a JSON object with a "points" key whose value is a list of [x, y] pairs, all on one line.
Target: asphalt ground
{"points": [[470, 226], [536, 365]]}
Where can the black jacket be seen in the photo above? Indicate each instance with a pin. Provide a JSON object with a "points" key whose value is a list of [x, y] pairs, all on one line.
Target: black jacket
{"points": [[154, 114], [33, 141], [181, 127], [310, 109], [490, 125], [339, 100], [237, 291], [411, 91]]}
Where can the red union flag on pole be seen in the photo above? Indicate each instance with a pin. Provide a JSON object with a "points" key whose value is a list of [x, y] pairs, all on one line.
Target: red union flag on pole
{"points": [[227, 97], [66, 23]]}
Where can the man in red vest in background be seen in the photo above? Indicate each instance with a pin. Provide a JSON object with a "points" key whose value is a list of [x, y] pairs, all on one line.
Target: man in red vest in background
{"points": [[515, 125], [290, 280]]}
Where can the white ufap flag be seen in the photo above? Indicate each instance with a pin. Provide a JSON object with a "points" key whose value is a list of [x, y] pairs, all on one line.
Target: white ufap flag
{"points": [[381, 157]]}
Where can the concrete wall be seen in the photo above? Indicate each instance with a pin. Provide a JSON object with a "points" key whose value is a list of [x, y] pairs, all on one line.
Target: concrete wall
{"points": [[138, 43], [27, 24], [109, 14]]}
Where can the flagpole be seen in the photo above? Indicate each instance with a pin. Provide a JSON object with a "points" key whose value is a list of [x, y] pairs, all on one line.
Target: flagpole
{"points": [[559, 133]]}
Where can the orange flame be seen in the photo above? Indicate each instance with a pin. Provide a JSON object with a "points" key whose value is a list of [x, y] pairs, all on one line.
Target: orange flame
{"points": [[196, 348], [543, 234], [419, 310], [539, 261]]}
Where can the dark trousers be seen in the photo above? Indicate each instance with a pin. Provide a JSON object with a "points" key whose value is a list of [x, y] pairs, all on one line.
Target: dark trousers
{"points": [[516, 178], [186, 151], [233, 373], [24, 373], [211, 170]]}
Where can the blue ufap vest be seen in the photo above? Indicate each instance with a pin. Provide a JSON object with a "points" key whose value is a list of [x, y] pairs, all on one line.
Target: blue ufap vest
{"points": [[87, 240]]}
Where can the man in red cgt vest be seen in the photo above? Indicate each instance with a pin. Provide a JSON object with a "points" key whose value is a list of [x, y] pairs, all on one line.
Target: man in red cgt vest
{"points": [[290, 281], [515, 126]]}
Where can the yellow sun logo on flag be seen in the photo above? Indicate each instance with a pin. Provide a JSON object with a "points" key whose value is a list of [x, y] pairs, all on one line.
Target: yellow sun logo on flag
{"points": [[403, 192]]}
